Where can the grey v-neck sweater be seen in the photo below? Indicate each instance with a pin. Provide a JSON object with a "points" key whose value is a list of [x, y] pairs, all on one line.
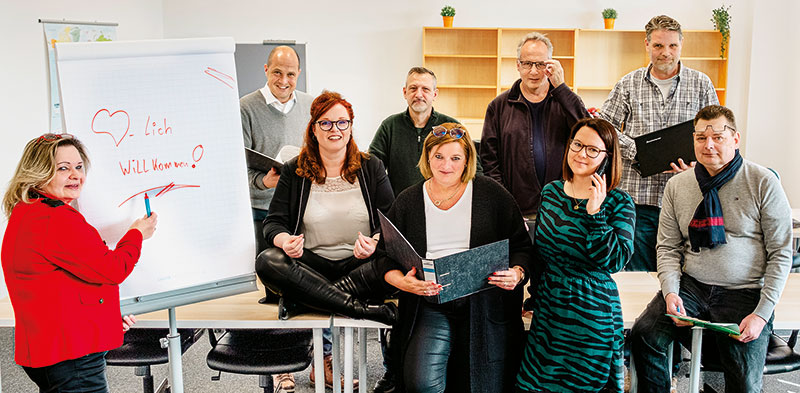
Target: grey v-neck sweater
{"points": [[267, 130]]}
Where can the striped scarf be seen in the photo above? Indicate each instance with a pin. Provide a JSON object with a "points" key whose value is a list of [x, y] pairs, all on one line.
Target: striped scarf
{"points": [[707, 228]]}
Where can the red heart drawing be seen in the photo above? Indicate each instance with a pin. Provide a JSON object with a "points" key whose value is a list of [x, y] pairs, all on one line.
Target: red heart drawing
{"points": [[113, 127]]}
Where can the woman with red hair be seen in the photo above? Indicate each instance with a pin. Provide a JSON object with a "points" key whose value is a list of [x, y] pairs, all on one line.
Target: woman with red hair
{"points": [[323, 220]]}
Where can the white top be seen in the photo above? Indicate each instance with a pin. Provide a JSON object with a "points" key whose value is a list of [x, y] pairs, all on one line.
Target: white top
{"points": [[272, 100], [334, 215], [664, 84], [447, 231]]}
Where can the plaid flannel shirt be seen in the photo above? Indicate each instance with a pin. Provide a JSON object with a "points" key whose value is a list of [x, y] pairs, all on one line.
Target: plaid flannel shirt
{"points": [[637, 107]]}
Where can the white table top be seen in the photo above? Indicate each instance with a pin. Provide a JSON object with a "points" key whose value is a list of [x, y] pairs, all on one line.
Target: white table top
{"points": [[233, 312]]}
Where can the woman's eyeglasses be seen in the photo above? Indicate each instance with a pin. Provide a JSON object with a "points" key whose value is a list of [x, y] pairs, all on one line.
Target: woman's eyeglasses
{"points": [[455, 133], [591, 151], [327, 125]]}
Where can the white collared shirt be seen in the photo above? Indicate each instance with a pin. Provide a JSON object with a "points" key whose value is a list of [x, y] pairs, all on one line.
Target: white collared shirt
{"points": [[272, 100]]}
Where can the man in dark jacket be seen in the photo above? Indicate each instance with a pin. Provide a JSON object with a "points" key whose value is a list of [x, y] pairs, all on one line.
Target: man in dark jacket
{"points": [[527, 128]]}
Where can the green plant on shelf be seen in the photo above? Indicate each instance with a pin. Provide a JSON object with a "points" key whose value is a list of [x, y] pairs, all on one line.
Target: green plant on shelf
{"points": [[609, 13], [722, 23], [448, 11]]}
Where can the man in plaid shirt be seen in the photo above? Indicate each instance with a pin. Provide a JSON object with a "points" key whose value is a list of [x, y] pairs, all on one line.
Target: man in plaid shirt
{"points": [[663, 94]]}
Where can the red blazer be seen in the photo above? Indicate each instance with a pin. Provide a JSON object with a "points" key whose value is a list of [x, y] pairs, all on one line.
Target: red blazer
{"points": [[62, 281]]}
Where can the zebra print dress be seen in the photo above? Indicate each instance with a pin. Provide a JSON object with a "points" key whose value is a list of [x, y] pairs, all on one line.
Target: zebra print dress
{"points": [[576, 335]]}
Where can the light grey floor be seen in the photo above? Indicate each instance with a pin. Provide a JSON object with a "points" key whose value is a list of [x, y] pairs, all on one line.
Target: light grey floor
{"points": [[197, 376]]}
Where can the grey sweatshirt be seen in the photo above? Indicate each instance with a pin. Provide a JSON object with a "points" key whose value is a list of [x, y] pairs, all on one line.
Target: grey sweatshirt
{"points": [[267, 130], [758, 231]]}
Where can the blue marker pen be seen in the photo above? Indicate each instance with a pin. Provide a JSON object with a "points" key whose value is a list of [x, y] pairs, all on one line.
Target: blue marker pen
{"points": [[147, 204]]}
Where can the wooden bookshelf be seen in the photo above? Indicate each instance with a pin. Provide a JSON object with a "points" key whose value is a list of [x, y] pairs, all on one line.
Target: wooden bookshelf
{"points": [[474, 65]]}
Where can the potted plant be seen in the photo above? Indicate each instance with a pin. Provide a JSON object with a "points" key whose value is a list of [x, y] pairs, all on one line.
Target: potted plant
{"points": [[722, 23], [448, 13], [609, 16]]}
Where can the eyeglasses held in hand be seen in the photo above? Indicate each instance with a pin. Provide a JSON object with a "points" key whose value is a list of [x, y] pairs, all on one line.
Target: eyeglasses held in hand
{"points": [[327, 125], [527, 65], [591, 151], [455, 133], [724, 127]]}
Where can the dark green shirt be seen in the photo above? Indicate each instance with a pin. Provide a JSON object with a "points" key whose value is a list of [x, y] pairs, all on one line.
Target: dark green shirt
{"points": [[398, 143]]}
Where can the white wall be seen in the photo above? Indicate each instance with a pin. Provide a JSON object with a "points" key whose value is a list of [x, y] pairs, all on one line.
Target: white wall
{"points": [[364, 49], [23, 70], [774, 93]]}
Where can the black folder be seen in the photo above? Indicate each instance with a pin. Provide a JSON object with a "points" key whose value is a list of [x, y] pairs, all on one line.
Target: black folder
{"points": [[460, 274], [656, 150], [261, 162]]}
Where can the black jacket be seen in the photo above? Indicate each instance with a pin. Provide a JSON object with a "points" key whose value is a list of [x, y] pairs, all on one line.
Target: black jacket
{"points": [[291, 196], [496, 331], [506, 142]]}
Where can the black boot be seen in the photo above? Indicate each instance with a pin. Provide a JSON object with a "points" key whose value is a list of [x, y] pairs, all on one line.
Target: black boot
{"points": [[306, 286], [365, 282]]}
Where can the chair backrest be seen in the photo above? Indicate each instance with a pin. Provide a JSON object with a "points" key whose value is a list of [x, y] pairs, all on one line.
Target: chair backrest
{"points": [[781, 356]]}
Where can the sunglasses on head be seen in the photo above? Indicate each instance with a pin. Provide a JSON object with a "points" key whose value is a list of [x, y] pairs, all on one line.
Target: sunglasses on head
{"points": [[455, 133], [53, 137]]}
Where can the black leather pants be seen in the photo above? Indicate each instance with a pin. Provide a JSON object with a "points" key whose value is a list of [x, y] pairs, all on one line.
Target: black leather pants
{"points": [[437, 359]]}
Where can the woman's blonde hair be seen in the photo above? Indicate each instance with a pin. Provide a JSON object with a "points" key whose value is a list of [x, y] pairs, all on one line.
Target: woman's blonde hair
{"points": [[431, 141], [37, 167]]}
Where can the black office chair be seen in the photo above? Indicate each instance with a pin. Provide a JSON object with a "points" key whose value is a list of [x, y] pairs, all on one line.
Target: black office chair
{"points": [[781, 356], [262, 352], [141, 349]]}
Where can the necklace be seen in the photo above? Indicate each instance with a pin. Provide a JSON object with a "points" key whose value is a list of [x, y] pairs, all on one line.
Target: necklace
{"points": [[577, 203], [440, 201]]}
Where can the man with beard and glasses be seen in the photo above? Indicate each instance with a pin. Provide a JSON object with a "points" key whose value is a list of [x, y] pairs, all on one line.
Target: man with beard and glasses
{"points": [[664, 93]]}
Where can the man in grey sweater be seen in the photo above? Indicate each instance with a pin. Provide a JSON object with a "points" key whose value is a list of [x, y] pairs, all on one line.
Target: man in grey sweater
{"points": [[273, 117], [724, 254]]}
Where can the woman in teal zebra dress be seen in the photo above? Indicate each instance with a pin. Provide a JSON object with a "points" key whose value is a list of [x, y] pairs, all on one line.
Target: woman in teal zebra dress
{"points": [[584, 234]]}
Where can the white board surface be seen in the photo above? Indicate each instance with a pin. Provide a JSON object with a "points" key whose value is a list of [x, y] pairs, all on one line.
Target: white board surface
{"points": [[162, 117]]}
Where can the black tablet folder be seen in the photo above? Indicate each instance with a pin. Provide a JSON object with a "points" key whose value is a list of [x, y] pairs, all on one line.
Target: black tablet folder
{"points": [[656, 150], [459, 274], [261, 162]]}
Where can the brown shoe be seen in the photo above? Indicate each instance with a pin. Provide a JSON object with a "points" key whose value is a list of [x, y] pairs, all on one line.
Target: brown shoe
{"points": [[283, 383], [329, 374]]}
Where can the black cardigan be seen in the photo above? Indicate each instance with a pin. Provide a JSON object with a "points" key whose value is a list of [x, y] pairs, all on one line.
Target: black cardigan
{"points": [[291, 196], [496, 330]]}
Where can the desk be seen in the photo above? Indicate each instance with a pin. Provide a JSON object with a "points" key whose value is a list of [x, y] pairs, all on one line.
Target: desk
{"points": [[636, 290], [233, 312]]}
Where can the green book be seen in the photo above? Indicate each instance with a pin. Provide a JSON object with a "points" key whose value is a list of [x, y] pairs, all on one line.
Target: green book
{"points": [[727, 328]]}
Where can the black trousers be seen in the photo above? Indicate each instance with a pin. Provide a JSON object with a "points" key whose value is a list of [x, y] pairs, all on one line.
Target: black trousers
{"points": [[86, 374], [437, 359]]}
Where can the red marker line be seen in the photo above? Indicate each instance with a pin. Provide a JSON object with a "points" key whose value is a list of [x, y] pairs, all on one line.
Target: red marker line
{"points": [[164, 189], [218, 78]]}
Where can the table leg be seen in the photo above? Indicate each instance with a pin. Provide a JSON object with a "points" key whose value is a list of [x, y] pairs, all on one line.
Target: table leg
{"points": [[348, 360], [337, 367], [174, 353], [319, 361], [697, 346], [362, 360]]}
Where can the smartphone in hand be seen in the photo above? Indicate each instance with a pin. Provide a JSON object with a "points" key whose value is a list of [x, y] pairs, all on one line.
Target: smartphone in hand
{"points": [[602, 168]]}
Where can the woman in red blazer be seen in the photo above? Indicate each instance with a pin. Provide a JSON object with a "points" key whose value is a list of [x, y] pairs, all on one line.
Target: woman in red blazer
{"points": [[61, 277]]}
